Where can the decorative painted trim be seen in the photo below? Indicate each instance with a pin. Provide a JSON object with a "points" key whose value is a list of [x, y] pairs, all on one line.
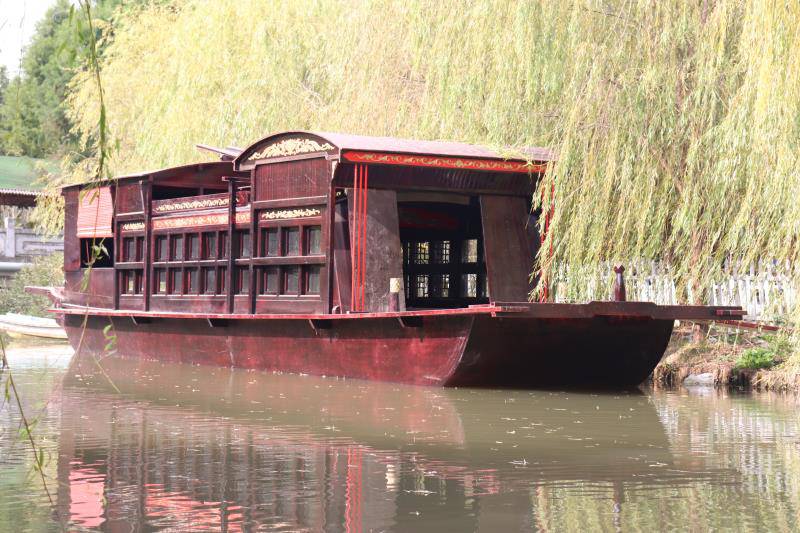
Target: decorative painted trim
{"points": [[281, 214], [461, 163], [216, 219], [132, 226], [208, 203], [289, 147]]}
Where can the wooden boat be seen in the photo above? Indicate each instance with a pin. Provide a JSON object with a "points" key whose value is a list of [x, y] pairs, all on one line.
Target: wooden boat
{"points": [[345, 255], [17, 325]]}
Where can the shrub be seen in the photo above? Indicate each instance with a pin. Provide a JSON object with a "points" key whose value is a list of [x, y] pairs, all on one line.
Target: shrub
{"points": [[47, 271], [756, 358]]}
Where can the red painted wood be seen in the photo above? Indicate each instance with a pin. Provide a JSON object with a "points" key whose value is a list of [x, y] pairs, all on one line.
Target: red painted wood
{"points": [[99, 291], [129, 198], [303, 178], [447, 350]]}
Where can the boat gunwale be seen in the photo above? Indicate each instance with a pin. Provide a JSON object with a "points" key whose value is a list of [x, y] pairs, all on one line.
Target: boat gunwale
{"points": [[513, 310]]}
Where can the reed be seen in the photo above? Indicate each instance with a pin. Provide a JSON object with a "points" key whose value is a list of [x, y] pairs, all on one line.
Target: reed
{"points": [[676, 123]]}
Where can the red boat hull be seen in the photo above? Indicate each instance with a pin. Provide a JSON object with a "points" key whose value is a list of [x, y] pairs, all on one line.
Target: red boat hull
{"points": [[455, 350]]}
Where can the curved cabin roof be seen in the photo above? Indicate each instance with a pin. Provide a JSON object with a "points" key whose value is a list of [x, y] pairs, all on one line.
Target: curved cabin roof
{"points": [[296, 143], [192, 174]]}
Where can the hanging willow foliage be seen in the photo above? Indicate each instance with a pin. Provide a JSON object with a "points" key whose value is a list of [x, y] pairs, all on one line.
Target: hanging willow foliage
{"points": [[676, 123]]}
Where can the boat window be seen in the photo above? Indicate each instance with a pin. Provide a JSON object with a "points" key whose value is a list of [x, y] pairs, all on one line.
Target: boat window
{"points": [[291, 280], [420, 252], [176, 281], [439, 285], [161, 249], [177, 248], [269, 280], [313, 240], [271, 242], [221, 279], [209, 280], [191, 281], [242, 280], [291, 241], [469, 251], [193, 248], [129, 249], [209, 245], [469, 285], [98, 252], [312, 279], [440, 252], [243, 245], [160, 281], [223, 244]]}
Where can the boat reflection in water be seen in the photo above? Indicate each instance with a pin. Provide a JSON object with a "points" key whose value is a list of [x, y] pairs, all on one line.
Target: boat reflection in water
{"points": [[211, 448]]}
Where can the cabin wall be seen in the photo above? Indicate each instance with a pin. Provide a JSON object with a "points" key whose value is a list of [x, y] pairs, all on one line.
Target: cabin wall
{"points": [[99, 289], [87, 221], [290, 226], [292, 179], [509, 248], [128, 198]]}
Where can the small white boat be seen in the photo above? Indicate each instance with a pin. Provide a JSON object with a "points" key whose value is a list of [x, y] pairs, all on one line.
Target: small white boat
{"points": [[18, 325]]}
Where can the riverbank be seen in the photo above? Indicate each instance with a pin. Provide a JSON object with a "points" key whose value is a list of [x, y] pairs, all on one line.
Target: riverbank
{"points": [[728, 358]]}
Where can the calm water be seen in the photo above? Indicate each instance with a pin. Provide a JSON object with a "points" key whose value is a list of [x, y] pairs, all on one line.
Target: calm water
{"points": [[191, 448]]}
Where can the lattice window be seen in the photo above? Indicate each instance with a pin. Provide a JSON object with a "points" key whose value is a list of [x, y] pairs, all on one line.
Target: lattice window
{"points": [[440, 252], [421, 286], [439, 285], [469, 251], [421, 253]]}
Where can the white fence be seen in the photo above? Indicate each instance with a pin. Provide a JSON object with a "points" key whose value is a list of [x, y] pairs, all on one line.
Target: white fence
{"points": [[765, 290]]}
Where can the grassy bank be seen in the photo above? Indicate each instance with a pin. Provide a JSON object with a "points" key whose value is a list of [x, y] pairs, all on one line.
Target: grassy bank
{"points": [[733, 357]]}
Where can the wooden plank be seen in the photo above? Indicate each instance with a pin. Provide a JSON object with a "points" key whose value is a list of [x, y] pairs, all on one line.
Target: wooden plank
{"points": [[290, 260], [508, 253], [291, 202], [384, 253]]}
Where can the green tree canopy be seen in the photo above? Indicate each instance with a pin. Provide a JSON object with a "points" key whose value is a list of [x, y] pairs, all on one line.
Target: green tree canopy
{"points": [[33, 118]]}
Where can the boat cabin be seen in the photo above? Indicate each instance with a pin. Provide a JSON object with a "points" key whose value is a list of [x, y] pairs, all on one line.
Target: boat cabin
{"points": [[309, 223]]}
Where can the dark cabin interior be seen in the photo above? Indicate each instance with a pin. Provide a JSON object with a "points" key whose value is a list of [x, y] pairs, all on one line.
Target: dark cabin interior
{"points": [[442, 240]]}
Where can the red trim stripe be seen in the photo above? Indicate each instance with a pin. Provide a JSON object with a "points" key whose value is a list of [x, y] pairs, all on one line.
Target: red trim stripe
{"points": [[460, 163]]}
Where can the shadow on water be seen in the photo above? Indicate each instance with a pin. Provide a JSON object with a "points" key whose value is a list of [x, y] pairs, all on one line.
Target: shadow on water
{"points": [[207, 448]]}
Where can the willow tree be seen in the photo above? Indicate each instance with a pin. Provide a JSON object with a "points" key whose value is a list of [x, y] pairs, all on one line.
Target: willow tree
{"points": [[676, 123]]}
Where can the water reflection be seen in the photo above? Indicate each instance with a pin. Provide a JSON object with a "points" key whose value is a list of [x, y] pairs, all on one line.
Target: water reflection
{"points": [[198, 448], [201, 448]]}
